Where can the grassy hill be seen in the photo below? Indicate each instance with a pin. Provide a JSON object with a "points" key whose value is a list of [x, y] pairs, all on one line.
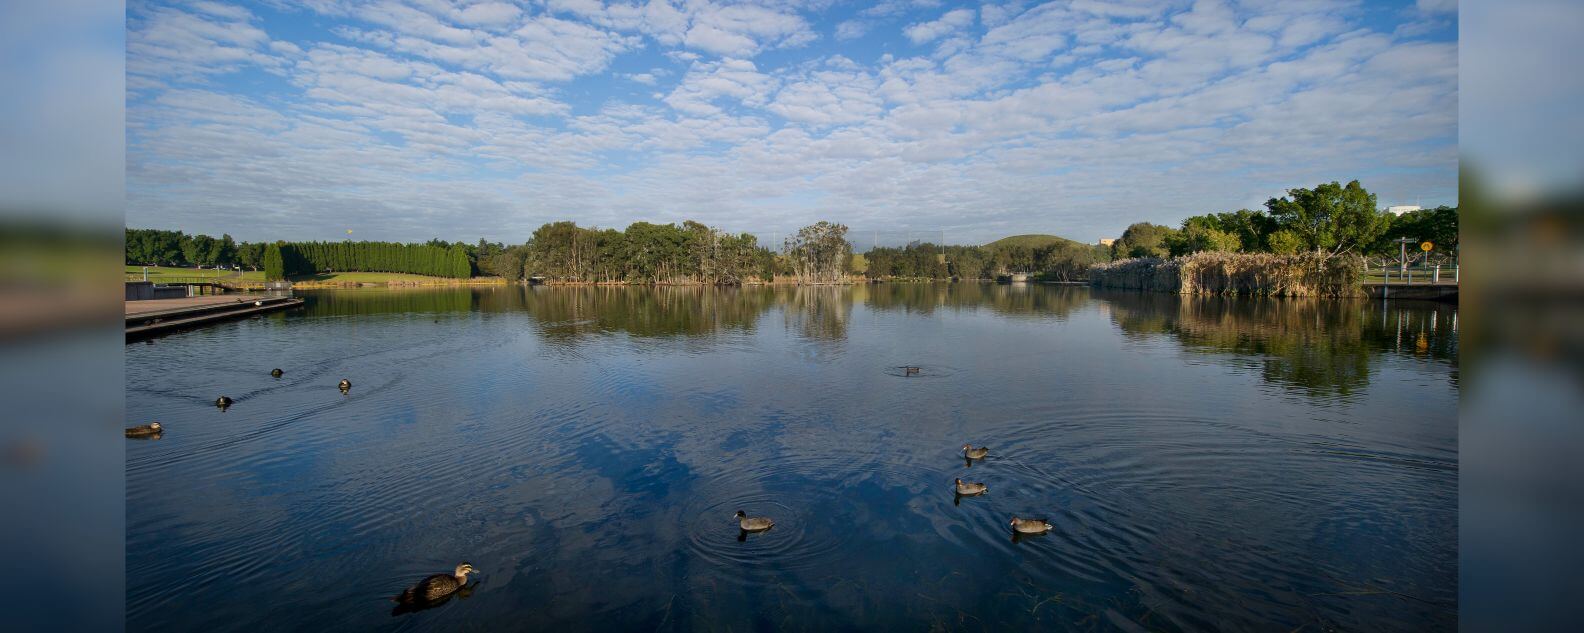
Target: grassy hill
{"points": [[1031, 241]]}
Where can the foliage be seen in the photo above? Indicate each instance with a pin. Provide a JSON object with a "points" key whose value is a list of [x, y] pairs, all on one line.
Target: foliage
{"points": [[1331, 219], [1068, 261], [1197, 236], [1285, 242], [1055, 258], [1438, 226], [819, 253], [274, 263], [1143, 240], [306, 258], [643, 253]]}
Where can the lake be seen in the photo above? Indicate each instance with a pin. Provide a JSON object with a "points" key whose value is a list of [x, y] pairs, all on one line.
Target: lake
{"points": [[1208, 463]]}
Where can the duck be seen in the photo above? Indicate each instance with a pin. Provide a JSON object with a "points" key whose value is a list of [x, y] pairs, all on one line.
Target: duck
{"points": [[345, 384], [223, 401], [975, 453], [436, 587], [910, 370], [276, 372], [970, 488], [753, 524], [1031, 526], [147, 430]]}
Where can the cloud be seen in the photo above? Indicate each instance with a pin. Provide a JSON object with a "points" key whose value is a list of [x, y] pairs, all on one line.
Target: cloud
{"points": [[851, 30], [706, 83], [488, 118], [742, 30], [185, 46], [947, 24]]}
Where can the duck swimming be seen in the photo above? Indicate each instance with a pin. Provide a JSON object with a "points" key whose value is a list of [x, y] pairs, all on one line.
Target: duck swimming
{"points": [[276, 372], [223, 402], [345, 384], [975, 453], [753, 524], [969, 488], [1030, 526], [148, 430], [435, 587]]}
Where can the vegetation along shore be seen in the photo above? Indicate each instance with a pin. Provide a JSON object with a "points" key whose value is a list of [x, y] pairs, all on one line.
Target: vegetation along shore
{"points": [[1309, 242]]}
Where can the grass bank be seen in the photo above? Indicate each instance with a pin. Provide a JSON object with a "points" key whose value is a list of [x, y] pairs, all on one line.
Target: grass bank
{"points": [[1258, 274], [165, 274]]}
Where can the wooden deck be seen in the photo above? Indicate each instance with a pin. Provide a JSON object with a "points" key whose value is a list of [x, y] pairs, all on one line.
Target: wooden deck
{"points": [[157, 316]]}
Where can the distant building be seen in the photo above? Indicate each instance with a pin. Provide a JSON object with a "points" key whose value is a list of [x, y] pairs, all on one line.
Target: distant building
{"points": [[1107, 241], [1403, 208]]}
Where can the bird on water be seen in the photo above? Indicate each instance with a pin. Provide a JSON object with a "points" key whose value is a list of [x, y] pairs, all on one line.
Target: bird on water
{"points": [[1030, 526], [223, 402], [975, 453], [276, 372], [435, 587], [345, 384], [753, 524], [970, 488], [147, 430]]}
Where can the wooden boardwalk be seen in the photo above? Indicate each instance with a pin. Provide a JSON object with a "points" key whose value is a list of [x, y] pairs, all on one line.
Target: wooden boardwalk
{"points": [[157, 316]]}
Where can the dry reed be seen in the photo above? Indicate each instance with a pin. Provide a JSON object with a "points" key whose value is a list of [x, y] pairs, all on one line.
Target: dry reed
{"points": [[1220, 273]]}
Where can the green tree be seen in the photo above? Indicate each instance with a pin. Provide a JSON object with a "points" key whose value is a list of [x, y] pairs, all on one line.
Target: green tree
{"points": [[1200, 234], [1143, 240], [1330, 219], [274, 263], [250, 254], [1285, 242], [819, 253], [1438, 226]]}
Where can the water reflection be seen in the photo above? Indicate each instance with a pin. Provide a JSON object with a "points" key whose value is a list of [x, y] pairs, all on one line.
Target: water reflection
{"points": [[1044, 302], [595, 490], [570, 313], [1320, 347]]}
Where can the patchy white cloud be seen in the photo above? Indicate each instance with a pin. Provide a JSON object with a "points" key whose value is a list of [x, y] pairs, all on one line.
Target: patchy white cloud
{"points": [[851, 30], [707, 83], [947, 24], [491, 117]]}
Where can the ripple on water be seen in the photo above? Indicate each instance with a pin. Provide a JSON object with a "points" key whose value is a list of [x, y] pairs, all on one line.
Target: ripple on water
{"points": [[921, 372]]}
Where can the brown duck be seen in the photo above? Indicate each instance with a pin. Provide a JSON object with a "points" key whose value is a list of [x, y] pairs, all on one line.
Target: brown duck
{"points": [[147, 430], [1031, 526], [975, 453], [435, 587], [753, 524], [970, 488]]}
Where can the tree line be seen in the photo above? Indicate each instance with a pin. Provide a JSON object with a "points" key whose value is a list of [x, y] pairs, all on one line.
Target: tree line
{"points": [[647, 253], [1329, 220], [1062, 260], [288, 259], [175, 248]]}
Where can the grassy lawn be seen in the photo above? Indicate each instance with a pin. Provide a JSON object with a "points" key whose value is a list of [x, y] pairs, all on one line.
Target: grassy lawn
{"points": [[165, 273], [160, 273], [364, 278]]}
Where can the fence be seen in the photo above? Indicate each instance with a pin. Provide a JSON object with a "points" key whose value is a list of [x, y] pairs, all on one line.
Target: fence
{"points": [[1416, 274]]}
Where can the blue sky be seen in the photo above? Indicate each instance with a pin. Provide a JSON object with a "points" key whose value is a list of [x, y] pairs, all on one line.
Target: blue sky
{"points": [[412, 119]]}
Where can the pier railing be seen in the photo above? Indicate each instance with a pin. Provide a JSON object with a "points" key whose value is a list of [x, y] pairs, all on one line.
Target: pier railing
{"points": [[1418, 274]]}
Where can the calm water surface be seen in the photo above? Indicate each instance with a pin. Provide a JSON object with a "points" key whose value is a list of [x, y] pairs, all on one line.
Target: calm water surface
{"points": [[1208, 463]]}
